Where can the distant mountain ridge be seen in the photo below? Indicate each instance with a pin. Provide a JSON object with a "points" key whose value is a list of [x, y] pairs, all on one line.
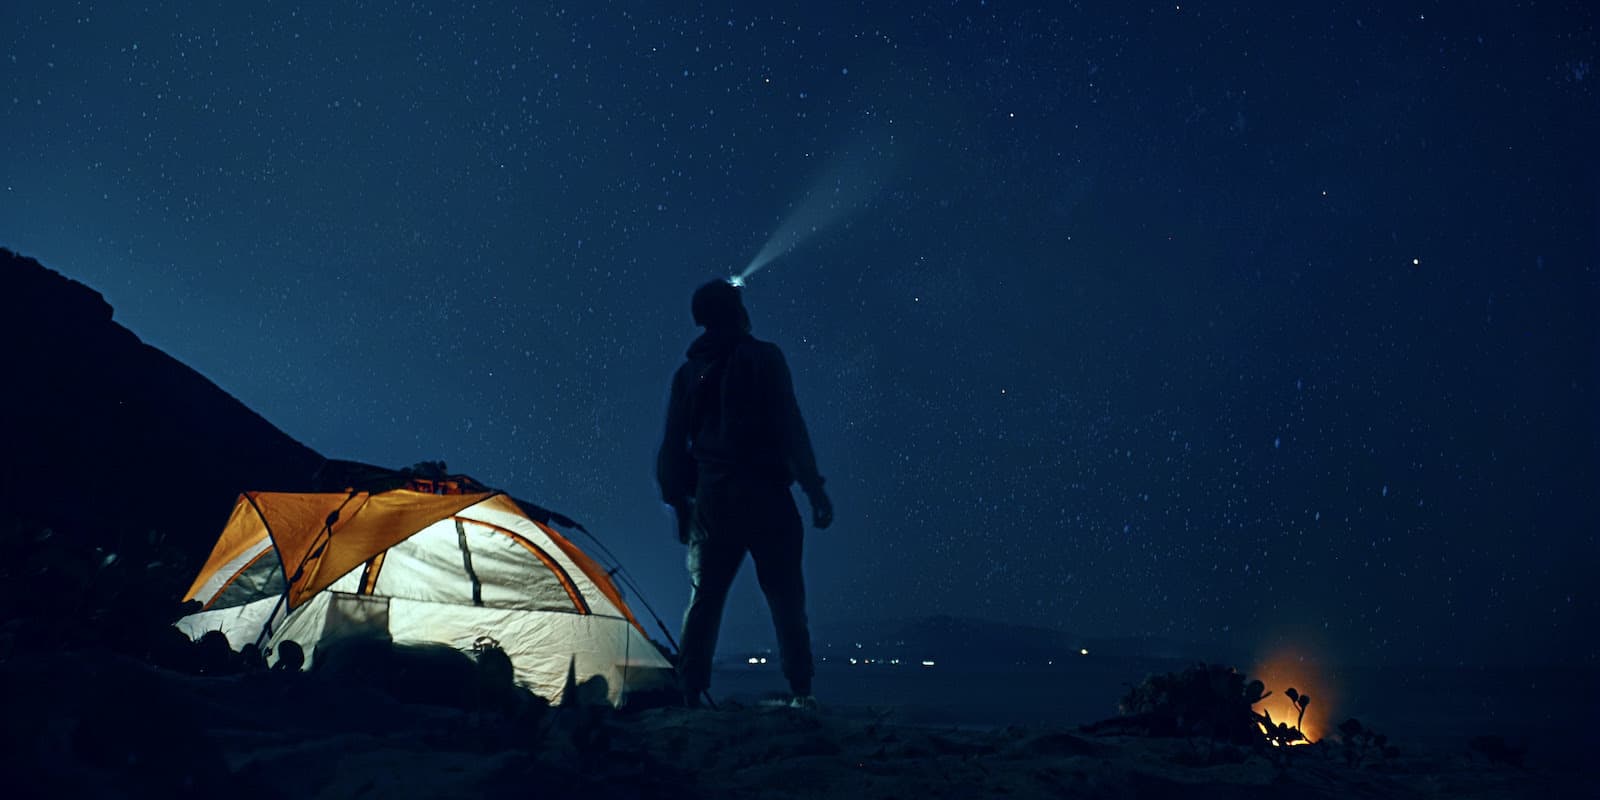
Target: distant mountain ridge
{"points": [[106, 436], [977, 642]]}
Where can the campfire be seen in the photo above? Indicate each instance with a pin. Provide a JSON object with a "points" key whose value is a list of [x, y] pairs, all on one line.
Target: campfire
{"points": [[1293, 680]]}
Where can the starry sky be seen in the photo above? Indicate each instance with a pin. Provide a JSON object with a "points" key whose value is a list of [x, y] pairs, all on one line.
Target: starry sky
{"points": [[1230, 323]]}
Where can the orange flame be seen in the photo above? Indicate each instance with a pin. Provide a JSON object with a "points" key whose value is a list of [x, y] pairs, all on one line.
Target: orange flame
{"points": [[1291, 669]]}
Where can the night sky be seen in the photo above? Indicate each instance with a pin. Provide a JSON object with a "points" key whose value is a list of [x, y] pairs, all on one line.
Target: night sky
{"points": [[1236, 325]]}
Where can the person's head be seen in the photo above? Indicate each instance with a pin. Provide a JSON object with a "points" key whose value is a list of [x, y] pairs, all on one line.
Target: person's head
{"points": [[717, 305]]}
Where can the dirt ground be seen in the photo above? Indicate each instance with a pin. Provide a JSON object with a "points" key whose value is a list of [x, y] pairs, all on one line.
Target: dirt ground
{"points": [[90, 726]]}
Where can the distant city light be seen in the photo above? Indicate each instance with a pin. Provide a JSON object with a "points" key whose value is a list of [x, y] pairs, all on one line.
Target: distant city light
{"points": [[927, 663], [1083, 652]]}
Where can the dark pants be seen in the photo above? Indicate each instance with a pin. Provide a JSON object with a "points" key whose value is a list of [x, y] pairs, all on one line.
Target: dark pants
{"points": [[735, 515]]}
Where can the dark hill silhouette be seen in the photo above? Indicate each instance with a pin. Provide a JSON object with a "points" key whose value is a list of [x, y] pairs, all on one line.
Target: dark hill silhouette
{"points": [[105, 436], [980, 643]]}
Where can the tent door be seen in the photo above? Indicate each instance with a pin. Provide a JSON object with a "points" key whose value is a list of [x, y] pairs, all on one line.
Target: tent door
{"points": [[356, 615]]}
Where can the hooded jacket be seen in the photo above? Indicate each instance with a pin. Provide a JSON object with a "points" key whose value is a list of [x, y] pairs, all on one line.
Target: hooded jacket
{"points": [[733, 411]]}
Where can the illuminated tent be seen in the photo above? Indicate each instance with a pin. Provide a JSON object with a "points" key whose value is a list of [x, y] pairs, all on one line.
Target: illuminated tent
{"points": [[418, 566]]}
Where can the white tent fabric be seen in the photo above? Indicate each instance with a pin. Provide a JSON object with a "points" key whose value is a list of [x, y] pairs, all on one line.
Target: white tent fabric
{"points": [[241, 624], [487, 570]]}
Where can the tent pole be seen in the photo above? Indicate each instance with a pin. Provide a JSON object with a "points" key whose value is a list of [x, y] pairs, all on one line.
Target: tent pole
{"points": [[627, 579], [321, 542], [662, 626], [266, 627]]}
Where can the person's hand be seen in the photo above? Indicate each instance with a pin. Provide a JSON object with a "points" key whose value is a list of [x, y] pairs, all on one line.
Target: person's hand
{"points": [[821, 508], [684, 512]]}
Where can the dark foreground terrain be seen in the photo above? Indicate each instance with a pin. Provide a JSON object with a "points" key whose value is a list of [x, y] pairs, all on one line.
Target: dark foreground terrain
{"points": [[94, 724]]}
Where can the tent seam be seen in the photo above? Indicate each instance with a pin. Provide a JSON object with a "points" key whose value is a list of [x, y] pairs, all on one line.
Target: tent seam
{"points": [[550, 563]]}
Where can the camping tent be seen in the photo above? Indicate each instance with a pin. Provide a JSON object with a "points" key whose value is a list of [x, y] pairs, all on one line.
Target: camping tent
{"points": [[421, 566]]}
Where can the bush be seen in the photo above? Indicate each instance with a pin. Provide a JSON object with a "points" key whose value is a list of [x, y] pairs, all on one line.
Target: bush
{"points": [[116, 591], [1205, 700]]}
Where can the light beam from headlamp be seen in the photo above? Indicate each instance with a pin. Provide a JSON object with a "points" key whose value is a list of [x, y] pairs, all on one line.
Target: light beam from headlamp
{"points": [[852, 179]]}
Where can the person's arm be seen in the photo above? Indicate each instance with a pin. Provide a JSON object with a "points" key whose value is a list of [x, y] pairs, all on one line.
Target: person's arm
{"points": [[675, 471], [802, 460]]}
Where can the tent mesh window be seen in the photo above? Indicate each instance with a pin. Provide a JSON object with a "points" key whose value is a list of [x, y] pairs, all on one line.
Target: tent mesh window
{"points": [[262, 578]]}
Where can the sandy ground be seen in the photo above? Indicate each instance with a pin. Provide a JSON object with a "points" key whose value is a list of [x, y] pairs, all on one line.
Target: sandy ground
{"points": [[87, 726]]}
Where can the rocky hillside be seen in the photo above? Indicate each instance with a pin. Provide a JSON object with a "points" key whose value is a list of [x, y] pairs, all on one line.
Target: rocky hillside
{"points": [[106, 437]]}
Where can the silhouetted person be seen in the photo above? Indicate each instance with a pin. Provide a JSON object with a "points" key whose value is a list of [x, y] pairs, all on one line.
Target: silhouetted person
{"points": [[734, 443]]}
